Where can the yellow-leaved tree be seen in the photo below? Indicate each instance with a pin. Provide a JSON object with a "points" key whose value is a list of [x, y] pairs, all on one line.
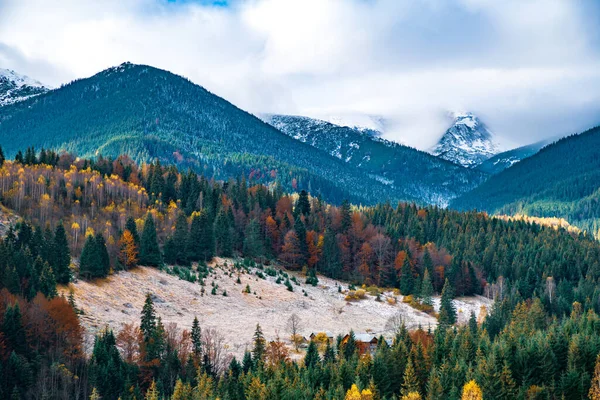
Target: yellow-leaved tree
{"points": [[355, 394], [594, 393], [412, 396], [128, 253], [472, 391]]}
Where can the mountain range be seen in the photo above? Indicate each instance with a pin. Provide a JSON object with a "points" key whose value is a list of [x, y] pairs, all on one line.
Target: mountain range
{"points": [[150, 114]]}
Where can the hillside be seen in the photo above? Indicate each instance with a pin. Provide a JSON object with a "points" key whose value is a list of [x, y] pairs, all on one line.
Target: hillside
{"points": [[152, 114], [501, 161], [427, 177], [118, 300], [149, 113], [561, 180]]}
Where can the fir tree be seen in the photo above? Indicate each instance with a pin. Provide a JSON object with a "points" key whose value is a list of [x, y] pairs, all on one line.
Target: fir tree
{"points": [[104, 258], [180, 239], [253, 243], [426, 289], [90, 263], [196, 336], [302, 205], [311, 360], [258, 350], [406, 279], [131, 226], [410, 383], [447, 314], [61, 255], [149, 250]]}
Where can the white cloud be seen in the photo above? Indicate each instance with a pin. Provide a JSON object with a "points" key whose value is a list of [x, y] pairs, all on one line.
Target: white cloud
{"points": [[530, 69]]}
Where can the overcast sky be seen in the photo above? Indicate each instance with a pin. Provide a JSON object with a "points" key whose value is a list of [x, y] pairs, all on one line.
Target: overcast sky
{"points": [[529, 69]]}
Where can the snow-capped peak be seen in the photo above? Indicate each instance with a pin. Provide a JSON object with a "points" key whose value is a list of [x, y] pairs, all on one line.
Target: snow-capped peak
{"points": [[468, 142], [15, 87]]}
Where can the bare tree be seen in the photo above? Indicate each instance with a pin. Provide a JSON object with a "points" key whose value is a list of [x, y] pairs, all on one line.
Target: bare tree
{"points": [[399, 320], [550, 286], [214, 349], [294, 325]]}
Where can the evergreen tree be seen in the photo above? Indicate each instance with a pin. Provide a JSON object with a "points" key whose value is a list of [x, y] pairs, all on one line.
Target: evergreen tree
{"points": [[426, 289], [259, 348], [410, 383], [149, 250], [253, 243], [61, 255], [350, 346], [196, 336], [104, 258], [194, 250], [447, 314], [2, 159], [131, 226], [222, 235], [180, 239], [346, 215], [311, 360], [300, 230], [302, 205], [90, 262], [148, 320], [406, 279], [47, 282]]}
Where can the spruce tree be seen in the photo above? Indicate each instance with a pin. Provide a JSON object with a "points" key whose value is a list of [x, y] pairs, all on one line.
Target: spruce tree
{"points": [[302, 205], [258, 351], [61, 255], [312, 358], [207, 240], [222, 235], [90, 264], [196, 339], [253, 242], [2, 159], [407, 280], [426, 289], [411, 383], [149, 250], [104, 266], [148, 320], [132, 227], [194, 239], [180, 239], [447, 314]]}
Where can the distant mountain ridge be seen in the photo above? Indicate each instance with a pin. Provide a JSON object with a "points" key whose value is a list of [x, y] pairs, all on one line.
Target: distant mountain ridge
{"points": [[391, 163], [152, 114], [468, 142], [506, 159], [561, 180], [15, 87]]}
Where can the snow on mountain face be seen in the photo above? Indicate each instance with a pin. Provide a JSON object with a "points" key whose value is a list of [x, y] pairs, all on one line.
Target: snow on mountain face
{"points": [[468, 142], [15, 87]]}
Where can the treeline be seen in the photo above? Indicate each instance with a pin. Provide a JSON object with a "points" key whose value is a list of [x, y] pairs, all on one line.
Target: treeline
{"points": [[153, 215]]}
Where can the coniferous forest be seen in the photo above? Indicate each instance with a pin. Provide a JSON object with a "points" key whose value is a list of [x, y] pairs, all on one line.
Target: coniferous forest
{"points": [[84, 219]]}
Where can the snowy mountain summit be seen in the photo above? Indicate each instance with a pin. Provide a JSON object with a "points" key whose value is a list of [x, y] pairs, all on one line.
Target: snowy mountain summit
{"points": [[15, 87], [468, 142]]}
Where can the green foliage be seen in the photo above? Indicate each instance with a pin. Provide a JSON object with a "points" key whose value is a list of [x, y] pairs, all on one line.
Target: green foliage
{"points": [[149, 251], [447, 314]]}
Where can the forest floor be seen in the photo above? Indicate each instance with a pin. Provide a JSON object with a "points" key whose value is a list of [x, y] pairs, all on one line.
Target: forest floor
{"points": [[118, 299]]}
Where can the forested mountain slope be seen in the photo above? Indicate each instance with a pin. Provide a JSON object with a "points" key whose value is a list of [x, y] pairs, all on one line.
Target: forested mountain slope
{"points": [[430, 178], [562, 180], [506, 159], [153, 114], [149, 113]]}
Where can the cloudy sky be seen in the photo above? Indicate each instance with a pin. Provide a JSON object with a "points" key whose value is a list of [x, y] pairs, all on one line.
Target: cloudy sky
{"points": [[529, 69]]}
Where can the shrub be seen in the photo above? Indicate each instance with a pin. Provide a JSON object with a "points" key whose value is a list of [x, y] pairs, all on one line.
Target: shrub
{"points": [[288, 285], [247, 289]]}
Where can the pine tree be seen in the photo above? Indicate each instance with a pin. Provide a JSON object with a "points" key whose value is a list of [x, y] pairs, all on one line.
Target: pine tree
{"points": [[47, 281], [435, 390], [427, 289], [258, 351], [302, 205], [103, 254], [90, 263], [196, 336], [149, 250], [447, 314], [61, 255], [253, 243], [180, 239], [222, 235], [406, 279], [312, 355], [148, 321]]}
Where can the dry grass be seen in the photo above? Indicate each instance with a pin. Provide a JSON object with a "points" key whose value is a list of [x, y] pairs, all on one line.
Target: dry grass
{"points": [[119, 298]]}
